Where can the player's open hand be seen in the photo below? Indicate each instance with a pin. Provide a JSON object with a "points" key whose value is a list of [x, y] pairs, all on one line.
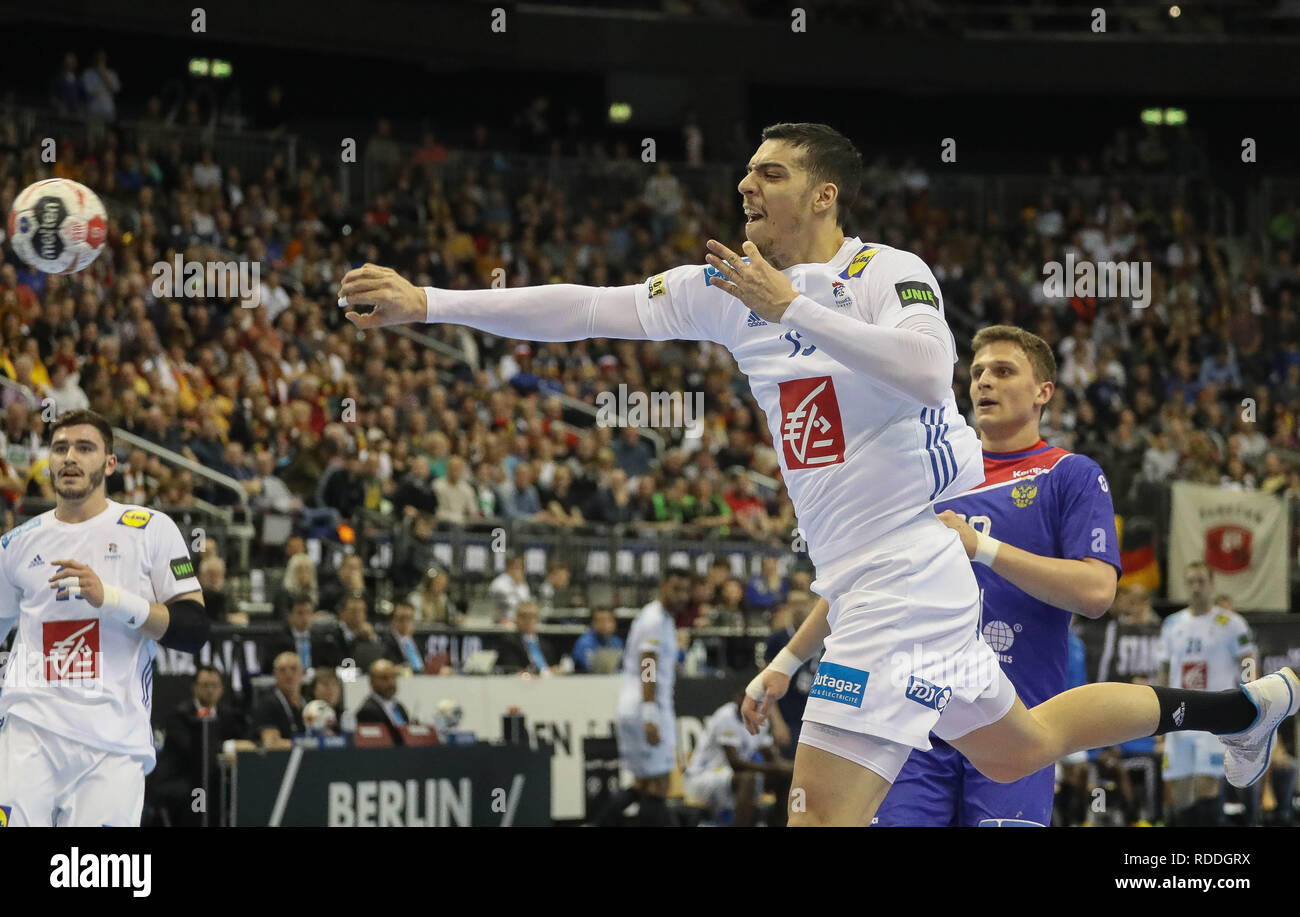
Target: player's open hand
{"points": [[774, 685], [79, 580], [396, 300], [757, 284], [969, 537]]}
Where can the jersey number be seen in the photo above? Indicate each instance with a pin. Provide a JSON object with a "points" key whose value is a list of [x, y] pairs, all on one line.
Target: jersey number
{"points": [[793, 338], [981, 524]]}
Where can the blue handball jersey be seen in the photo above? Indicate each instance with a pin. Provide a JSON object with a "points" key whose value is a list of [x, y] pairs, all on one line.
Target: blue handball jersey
{"points": [[1049, 502]]}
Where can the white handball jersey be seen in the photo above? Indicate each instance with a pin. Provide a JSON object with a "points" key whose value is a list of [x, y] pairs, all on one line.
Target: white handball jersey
{"points": [[858, 459], [724, 729], [86, 677], [653, 631], [1203, 650]]}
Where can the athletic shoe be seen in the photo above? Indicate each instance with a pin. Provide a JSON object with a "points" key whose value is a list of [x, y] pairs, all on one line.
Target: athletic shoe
{"points": [[1246, 754]]}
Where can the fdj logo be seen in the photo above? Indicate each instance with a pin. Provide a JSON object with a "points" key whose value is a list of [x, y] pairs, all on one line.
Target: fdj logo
{"points": [[840, 684], [927, 694]]}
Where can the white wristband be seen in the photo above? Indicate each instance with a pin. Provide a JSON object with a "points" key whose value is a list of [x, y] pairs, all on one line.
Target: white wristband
{"points": [[649, 712], [986, 549], [428, 304], [786, 662], [127, 607]]}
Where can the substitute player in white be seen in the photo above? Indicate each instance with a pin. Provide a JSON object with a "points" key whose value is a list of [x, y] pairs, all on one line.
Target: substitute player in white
{"points": [[1202, 647], [727, 768], [647, 723], [849, 356], [90, 585]]}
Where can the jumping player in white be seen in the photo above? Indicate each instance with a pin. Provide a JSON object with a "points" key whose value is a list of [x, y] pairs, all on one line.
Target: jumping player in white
{"points": [[90, 585], [849, 356]]}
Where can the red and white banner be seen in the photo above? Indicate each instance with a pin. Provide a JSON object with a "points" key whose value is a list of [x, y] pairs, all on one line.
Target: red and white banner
{"points": [[1241, 534]]}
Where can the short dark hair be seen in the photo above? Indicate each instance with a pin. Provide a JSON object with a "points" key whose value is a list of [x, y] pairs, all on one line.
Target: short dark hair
{"points": [[72, 418], [828, 156], [207, 667], [600, 611], [1037, 351]]}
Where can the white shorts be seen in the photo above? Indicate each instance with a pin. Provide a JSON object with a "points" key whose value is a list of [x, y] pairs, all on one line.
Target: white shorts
{"points": [[904, 657], [49, 781], [1192, 754], [711, 789], [639, 756]]}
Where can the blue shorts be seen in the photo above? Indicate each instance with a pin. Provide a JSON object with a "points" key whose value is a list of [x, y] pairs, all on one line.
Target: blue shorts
{"points": [[941, 789]]}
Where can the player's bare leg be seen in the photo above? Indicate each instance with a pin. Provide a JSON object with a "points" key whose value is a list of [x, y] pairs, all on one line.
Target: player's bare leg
{"points": [[830, 791], [745, 786], [1101, 715]]}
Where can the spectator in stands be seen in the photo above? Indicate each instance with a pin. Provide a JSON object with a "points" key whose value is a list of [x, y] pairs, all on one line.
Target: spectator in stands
{"points": [[99, 85], [600, 636], [382, 706], [746, 506], [708, 510], [65, 391], [278, 716], [67, 92], [400, 647], [562, 499], [457, 498], [1274, 476], [611, 504], [212, 577], [327, 686], [730, 608], [299, 582], [698, 612], [314, 647], [509, 589], [524, 650], [432, 604], [356, 634], [632, 453], [553, 593], [768, 589], [266, 492], [415, 490], [180, 763], [349, 580], [522, 502], [343, 488]]}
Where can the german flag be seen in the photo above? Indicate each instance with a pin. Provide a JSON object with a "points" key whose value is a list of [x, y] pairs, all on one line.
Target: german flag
{"points": [[1137, 552]]}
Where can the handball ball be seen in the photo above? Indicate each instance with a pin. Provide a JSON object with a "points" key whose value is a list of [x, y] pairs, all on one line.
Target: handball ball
{"points": [[58, 226], [318, 716]]}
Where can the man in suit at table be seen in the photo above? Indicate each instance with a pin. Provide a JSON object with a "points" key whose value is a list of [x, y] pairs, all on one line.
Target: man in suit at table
{"points": [[400, 646], [313, 646], [382, 705], [524, 650]]}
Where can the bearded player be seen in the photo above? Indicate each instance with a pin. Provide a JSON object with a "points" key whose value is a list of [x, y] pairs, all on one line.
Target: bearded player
{"points": [[90, 585], [848, 354]]}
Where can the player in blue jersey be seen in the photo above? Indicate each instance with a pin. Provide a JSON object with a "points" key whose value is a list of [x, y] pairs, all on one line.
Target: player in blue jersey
{"points": [[1055, 507]]}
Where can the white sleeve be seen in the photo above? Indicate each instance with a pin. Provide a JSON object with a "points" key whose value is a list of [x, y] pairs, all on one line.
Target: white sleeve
{"points": [[914, 361], [9, 607], [171, 569], [1243, 641], [553, 312], [681, 305]]}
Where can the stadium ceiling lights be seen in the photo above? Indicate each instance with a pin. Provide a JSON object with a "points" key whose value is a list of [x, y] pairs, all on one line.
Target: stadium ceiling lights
{"points": [[619, 112], [215, 68], [1169, 117]]}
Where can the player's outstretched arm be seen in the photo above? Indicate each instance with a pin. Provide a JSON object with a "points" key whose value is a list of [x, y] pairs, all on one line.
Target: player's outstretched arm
{"points": [[553, 312]]}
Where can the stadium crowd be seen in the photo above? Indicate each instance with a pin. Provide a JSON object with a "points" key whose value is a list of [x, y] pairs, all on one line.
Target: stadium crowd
{"points": [[333, 426]]}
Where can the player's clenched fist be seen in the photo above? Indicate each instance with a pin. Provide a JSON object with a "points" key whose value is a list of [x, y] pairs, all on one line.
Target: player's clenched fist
{"points": [[395, 299], [755, 283], [768, 687], [79, 580]]}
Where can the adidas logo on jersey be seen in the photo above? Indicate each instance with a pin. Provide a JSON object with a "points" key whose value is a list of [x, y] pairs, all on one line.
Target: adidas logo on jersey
{"points": [[754, 320], [36, 561]]}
